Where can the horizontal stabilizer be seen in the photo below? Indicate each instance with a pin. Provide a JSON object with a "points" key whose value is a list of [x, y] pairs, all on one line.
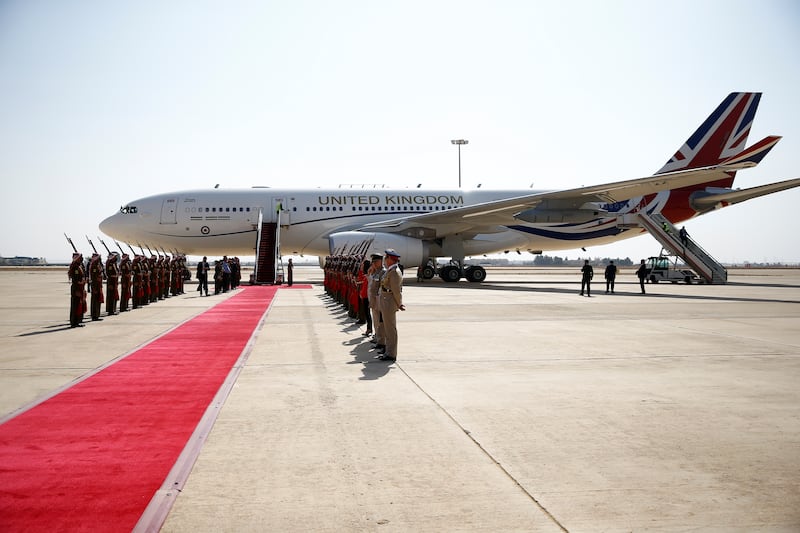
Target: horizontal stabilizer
{"points": [[705, 200], [753, 155]]}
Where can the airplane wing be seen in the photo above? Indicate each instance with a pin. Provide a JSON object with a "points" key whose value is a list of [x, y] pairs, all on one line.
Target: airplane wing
{"points": [[711, 199], [490, 216]]}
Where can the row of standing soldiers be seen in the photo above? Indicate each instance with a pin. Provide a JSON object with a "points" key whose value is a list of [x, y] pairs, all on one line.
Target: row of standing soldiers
{"points": [[341, 283], [139, 281], [371, 293]]}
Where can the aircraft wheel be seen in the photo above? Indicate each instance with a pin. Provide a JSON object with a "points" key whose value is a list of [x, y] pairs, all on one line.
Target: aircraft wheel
{"points": [[475, 274], [450, 274], [428, 272], [688, 280]]}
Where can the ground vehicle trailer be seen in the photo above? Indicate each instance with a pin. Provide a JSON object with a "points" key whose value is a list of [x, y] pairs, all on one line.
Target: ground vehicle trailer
{"points": [[662, 269]]}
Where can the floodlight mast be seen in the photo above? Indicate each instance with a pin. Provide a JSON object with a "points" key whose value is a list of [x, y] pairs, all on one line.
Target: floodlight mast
{"points": [[459, 142]]}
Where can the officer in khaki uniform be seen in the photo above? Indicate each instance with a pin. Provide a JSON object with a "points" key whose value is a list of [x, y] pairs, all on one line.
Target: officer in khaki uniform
{"points": [[374, 276], [391, 297]]}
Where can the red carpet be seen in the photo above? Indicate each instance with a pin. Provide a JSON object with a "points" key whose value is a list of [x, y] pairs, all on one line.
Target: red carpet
{"points": [[91, 458]]}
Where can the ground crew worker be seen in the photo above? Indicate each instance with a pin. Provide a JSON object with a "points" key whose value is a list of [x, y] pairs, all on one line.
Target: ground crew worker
{"points": [[610, 275], [77, 291], [391, 302], [587, 273], [684, 235], [641, 272]]}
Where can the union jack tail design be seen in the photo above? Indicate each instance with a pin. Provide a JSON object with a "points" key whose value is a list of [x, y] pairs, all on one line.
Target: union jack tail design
{"points": [[721, 136]]}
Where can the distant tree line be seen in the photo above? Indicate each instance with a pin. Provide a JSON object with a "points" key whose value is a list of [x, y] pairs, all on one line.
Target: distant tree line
{"points": [[548, 261]]}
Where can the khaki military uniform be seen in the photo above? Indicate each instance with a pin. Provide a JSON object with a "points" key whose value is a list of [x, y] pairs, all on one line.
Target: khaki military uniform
{"points": [[391, 297], [373, 294]]}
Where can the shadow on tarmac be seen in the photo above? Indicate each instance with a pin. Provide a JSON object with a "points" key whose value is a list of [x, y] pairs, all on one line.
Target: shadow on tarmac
{"points": [[362, 353], [525, 286]]}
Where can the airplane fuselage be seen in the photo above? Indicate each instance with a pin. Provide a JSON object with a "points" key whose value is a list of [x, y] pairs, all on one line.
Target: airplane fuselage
{"points": [[220, 221], [421, 224]]}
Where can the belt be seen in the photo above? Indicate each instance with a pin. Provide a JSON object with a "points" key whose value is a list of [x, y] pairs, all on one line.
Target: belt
{"points": [[386, 290]]}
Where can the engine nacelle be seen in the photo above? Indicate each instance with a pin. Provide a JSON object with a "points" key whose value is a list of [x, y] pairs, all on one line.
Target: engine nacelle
{"points": [[412, 251]]}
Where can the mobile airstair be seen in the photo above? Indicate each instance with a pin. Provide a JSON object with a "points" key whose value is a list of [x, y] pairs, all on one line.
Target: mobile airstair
{"points": [[692, 253], [269, 267]]}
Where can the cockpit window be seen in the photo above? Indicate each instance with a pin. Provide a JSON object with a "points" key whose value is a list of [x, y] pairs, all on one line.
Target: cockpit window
{"points": [[127, 209]]}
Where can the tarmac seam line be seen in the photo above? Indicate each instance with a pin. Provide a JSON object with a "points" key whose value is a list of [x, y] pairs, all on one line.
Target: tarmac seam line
{"points": [[486, 452]]}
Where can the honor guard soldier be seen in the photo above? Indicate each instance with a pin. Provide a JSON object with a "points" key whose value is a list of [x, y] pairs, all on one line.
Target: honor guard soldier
{"points": [[154, 274], [138, 281], [125, 282], [173, 276], [145, 280], [180, 272], [391, 301], [162, 266], [77, 291], [96, 285], [112, 278]]}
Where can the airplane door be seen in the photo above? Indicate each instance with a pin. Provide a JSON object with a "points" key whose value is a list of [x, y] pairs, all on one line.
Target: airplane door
{"points": [[281, 210], [169, 211]]}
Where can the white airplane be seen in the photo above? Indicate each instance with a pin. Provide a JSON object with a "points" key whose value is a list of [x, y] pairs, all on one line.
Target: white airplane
{"points": [[422, 224]]}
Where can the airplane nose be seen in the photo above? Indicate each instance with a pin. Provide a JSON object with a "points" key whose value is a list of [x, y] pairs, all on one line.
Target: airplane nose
{"points": [[111, 226], [105, 225]]}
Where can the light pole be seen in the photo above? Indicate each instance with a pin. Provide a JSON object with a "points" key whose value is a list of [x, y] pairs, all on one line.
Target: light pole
{"points": [[459, 142]]}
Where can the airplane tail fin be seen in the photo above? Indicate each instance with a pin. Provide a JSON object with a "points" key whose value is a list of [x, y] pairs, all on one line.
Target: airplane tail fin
{"points": [[721, 136]]}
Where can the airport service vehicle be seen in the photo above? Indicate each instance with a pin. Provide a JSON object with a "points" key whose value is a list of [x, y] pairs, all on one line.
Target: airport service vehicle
{"points": [[662, 269]]}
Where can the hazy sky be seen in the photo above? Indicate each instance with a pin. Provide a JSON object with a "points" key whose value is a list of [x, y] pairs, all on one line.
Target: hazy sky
{"points": [[103, 102]]}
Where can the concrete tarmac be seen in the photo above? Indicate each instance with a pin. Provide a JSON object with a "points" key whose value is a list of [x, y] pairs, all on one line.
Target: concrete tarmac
{"points": [[515, 405]]}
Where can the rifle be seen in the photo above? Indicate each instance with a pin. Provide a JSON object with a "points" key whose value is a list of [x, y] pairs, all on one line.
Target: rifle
{"points": [[140, 247], [132, 250], [92, 244], [120, 247], [104, 245], [102, 266], [365, 246], [74, 249]]}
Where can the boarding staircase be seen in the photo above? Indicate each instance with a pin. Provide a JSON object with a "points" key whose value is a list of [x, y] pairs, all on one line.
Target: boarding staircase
{"points": [[692, 253], [269, 268]]}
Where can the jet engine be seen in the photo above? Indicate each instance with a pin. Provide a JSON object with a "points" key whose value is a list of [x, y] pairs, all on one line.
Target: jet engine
{"points": [[412, 251]]}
